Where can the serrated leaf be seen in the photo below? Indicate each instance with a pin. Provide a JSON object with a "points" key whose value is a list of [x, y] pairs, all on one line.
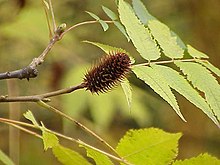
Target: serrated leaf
{"points": [[149, 146], [5, 159], [29, 115], [103, 24], [167, 42], [110, 49], [157, 83], [182, 86], [202, 79], [210, 67], [100, 159], [110, 13], [139, 35], [127, 91], [49, 140], [195, 53], [144, 16], [68, 157], [142, 12], [203, 159]]}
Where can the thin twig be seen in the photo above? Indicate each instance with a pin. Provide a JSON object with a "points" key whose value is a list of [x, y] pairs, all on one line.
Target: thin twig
{"points": [[15, 123], [169, 61], [48, 107], [31, 71], [43, 97], [24, 129], [80, 24]]}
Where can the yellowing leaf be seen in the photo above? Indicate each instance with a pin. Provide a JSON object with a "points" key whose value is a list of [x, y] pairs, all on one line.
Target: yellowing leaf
{"points": [[148, 146], [49, 140], [139, 35], [29, 115], [167, 42], [203, 159], [157, 83], [100, 159]]}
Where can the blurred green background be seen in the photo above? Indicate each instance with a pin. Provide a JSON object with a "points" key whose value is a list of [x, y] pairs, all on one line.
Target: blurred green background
{"points": [[24, 35]]}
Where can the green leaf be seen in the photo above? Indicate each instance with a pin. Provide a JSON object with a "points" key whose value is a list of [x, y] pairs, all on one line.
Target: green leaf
{"points": [[181, 85], [144, 16], [5, 159], [203, 159], [93, 15], [157, 83], [103, 24], [110, 49], [49, 140], [114, 18], [149, 146], [68, 157], [195, 53], [142, 12], [210, 67], [139, 35], [127, 91], [110, 13], [167, 42], [100, 159], [202, 79], [29, 115]]}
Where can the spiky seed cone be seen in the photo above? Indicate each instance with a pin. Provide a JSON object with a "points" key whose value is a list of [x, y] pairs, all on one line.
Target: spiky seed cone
{"points": [[111, 70]]}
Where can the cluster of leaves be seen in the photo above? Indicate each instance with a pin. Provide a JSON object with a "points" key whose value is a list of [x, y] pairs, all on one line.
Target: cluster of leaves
{"points": [[153, 39], [151, 146]]}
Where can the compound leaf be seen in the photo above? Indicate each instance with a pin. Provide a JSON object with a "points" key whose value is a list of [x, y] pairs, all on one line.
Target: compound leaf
{"points": [[195, 53], [182, 86], [139, 35], [157, 83], [165, 39], [202, 79]]}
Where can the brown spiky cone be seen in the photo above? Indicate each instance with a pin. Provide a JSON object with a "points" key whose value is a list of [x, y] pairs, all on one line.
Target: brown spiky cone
{"points": [[111, 70]]}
